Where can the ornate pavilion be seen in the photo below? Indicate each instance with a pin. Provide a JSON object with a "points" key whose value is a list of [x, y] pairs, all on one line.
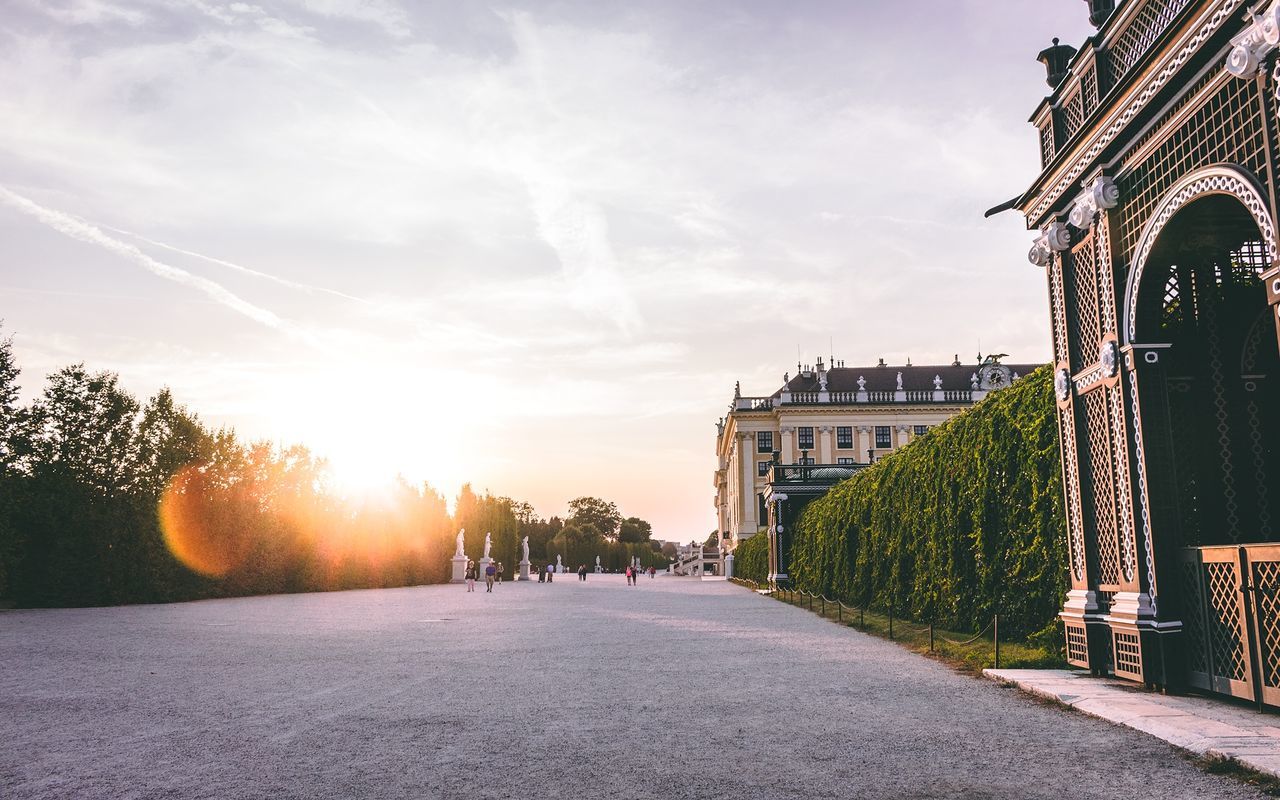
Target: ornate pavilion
{"points": [[1154, 216]]}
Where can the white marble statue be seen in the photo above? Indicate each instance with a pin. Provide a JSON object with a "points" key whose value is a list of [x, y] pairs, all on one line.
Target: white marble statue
{"points": [[973, 380], [461, 545], [937, 382], [524, 544], [559, 566], [597, 562], [862, 384], [488, 544], [899, 381]]}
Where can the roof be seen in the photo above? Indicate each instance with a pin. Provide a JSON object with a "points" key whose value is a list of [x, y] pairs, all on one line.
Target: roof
{"points": [[885, 379]]}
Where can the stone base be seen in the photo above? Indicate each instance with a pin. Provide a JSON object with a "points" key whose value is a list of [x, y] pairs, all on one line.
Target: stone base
{"points": [[524, 571], [599, 570], [480, 567], [459, 569]]}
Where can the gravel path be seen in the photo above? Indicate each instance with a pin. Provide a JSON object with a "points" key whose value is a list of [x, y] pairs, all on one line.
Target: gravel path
{"points": [[676, 688]]}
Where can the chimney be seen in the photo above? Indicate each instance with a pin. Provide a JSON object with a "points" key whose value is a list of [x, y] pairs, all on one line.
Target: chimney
{"points": [[1055, 59], [1100, 11]]}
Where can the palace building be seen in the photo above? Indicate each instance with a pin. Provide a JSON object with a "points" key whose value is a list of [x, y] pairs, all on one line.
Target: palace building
{"points": [[1155, 223], [835, 415]]}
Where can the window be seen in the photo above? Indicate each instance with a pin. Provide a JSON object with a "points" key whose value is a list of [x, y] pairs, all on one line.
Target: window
{"points": [[845, 461], [764, 442], [762, 517], [921, 430], [883, 439], [762, 468], [806, 460], [805, 438], [844, 437]]}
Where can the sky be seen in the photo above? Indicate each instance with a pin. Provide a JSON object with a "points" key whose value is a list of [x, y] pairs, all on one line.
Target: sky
{"points": [[530, 246]]}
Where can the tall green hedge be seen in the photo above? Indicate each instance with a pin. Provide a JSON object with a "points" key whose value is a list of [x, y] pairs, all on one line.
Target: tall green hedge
{"points": [[751, 559], [964, 522]]}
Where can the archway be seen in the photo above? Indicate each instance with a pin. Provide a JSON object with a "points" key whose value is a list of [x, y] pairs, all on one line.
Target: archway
{"points": [[1198, 289]]}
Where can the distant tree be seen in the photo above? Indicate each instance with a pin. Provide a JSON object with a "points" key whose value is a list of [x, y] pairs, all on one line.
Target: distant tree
{"points": [[168, 439], [669, 549], [84, 425], [634, 530], [713, 540], [10, 413], [600, 514]]}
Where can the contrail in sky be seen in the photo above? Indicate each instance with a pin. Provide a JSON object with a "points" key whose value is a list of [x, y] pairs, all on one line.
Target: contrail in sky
{"points": [[79, 229], [239, 268]]}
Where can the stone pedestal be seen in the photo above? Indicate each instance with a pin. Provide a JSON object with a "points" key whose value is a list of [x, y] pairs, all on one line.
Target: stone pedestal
{"points": [[728, 566], [599, 570], [480, 568], [459, 569], [524, 571]]}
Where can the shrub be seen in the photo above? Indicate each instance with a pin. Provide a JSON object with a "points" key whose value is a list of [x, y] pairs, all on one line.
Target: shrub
{"points": [[964, 522]]}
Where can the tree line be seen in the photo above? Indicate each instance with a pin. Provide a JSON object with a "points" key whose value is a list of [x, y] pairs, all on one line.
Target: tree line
{"points": [[105, 500]]}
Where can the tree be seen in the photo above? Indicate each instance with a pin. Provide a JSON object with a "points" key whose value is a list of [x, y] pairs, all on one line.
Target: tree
{"points": [[600, 514], [669, 549], [167, 440], [84, 425], [10, 424], [634, 530]]}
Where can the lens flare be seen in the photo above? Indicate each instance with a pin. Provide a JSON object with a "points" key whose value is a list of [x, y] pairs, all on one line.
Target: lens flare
{"points": [[201, 531]]}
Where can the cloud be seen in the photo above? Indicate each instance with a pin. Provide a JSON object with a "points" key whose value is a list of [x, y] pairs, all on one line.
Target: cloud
{"points": [[85, 232]]}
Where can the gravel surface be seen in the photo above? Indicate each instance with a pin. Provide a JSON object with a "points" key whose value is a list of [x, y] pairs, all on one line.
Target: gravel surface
{"points": [[674, 688]]}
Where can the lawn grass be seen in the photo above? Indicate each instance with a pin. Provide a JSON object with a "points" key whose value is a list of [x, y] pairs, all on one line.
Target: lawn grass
{"points": [[958, 648]]}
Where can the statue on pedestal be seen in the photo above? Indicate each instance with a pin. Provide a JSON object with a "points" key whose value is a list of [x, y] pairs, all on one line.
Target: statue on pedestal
{"points": [[524, 544], [488, 544], [559, 566], [460, 551]]}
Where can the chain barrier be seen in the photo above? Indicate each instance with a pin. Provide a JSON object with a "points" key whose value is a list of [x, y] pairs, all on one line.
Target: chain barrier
{"points": [[808, 597]]}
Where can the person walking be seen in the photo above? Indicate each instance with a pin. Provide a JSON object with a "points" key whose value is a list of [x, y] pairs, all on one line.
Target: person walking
{"points": [[542, 575], [490, 572], [551, 572], [582, 572], [471, 576], [500, 570]]}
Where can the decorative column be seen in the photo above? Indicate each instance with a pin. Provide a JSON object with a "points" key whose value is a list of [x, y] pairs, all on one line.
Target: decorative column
{"points": [[862, 440], [824, 444], [746, 444], [1272, 279], [788, 451]]}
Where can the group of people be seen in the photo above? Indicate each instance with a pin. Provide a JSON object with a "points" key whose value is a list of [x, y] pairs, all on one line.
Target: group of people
{"points": [[634, 572], [493, 572]]}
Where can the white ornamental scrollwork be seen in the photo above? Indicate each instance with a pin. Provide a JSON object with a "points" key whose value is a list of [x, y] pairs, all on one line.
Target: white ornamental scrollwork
{"points": [[1062, 384], [1109, 358], [1101, 195], [1040, 254], [1250, 47], [1055, 238]]}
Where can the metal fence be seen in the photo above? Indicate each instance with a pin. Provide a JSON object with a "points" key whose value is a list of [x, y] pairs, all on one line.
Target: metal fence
{"points": [[809, 600]]}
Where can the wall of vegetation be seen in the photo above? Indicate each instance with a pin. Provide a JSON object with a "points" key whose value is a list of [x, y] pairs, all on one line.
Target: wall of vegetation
{"points": [[751, 559], [964, 522]]}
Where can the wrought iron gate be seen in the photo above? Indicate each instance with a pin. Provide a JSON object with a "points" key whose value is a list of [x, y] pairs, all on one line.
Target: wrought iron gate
{"points": [[1232, 620]]}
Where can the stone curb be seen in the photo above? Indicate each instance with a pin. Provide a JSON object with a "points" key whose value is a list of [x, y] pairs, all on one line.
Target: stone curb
{"points": [[1199, 725]]}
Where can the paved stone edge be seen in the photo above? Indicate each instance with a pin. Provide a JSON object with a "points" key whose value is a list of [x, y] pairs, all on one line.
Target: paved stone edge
{"points": [[1254, 751]]}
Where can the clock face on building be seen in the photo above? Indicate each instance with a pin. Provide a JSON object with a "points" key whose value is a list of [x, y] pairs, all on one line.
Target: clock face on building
{"points": [[994, 376]]}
